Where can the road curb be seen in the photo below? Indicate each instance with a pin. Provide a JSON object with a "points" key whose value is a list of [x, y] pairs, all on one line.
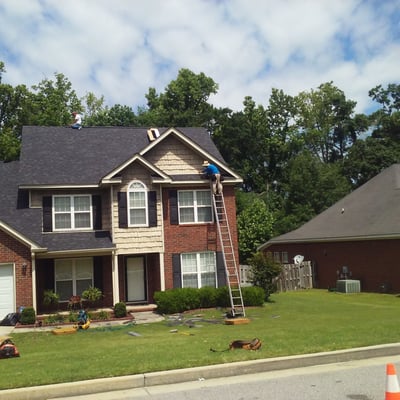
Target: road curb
{"points": [[197, 373]]}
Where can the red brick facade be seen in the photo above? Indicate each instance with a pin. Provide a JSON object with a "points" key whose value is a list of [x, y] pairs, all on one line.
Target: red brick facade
{"points": [[194, 237], [14, 252], [373, 262]]}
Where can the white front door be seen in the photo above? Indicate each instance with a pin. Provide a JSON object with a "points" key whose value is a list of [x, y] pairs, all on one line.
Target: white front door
{"points": [[7, 288], [136, 279]]}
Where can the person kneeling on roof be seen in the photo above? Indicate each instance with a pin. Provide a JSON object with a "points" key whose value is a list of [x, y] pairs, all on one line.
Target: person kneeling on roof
{"points": [[77, 124], [210, 171]]}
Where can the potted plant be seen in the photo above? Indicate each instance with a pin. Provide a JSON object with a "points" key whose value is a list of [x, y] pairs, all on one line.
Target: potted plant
{"points": [[50, 299], [92, 295]]}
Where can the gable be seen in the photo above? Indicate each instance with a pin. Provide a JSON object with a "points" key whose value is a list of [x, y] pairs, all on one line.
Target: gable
{"points": [[175, 158]]}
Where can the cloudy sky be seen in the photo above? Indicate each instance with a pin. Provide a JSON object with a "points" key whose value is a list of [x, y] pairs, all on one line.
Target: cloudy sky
{"points": [[121, 48]]}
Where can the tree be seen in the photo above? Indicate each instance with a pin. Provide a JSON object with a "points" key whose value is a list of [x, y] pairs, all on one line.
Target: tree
{"points": [[369, 157], [386, 120], [53, 102], [310, 187], [264, 269], [254, 224], [184, 102], [14, 106], [326, 122]]}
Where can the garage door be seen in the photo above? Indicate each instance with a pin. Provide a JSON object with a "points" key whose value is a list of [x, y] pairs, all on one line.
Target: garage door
{"points": [[7, 304]]}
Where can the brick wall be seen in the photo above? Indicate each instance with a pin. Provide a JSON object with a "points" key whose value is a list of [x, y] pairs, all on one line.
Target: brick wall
{"points": [[374, 262], [195, 237], [13, 251]]}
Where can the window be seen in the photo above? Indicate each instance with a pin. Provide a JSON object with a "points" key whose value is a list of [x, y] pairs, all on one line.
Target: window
{"points": [[194, 206], [198, 269], [73, 276], [137, 204], [285, 257], [72, 212]]}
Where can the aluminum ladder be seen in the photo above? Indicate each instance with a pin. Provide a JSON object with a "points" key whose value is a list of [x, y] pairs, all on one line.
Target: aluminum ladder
{"points": [[228, 252]]}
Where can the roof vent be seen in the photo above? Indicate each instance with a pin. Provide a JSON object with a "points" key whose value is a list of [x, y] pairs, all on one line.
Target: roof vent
{"points": [[153, 134]]}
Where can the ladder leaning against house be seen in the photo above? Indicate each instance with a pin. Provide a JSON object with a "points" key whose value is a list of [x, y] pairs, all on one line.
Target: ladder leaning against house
{"points": [[228, 253]]}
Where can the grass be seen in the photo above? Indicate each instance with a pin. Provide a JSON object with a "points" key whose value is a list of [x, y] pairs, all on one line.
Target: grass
{"points": [[292, 323]]}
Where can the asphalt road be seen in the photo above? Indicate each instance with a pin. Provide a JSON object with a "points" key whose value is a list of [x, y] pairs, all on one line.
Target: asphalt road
{"points": [[352, 380]]}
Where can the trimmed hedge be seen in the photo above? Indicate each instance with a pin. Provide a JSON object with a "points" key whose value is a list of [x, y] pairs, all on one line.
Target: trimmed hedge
{"points": [[174, 301]]}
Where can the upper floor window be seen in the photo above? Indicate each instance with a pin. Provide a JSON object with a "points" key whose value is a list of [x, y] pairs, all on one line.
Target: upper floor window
{"points": [[194, 206], [72, 212], [137, 204]]}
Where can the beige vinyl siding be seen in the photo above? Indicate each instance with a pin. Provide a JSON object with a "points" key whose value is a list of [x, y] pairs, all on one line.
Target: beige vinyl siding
{"points": [[137, 240], [175, 158]]}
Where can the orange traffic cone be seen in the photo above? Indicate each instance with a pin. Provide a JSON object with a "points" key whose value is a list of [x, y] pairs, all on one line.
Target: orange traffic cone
{"points": [[392, 384]]}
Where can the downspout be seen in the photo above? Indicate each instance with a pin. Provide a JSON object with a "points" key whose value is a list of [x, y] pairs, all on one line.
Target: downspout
{"points": [[114, 261], [162, 254], [33, 278]]}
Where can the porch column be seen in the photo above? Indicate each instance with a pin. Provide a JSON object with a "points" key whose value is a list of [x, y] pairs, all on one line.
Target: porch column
{"points": [[33, 278], [162, 272], [115, 278]]}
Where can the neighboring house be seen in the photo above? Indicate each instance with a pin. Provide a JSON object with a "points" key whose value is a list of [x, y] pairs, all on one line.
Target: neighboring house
{"points": [[121, 209], [361, 232]]}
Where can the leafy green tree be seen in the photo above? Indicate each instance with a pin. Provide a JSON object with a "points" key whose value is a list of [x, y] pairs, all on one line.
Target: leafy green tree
{"points": [[254, 224], [326, 122], [264, 270], [184, 101], [14, 106], [386, 120], [9, 145], [367, 158], [310, 187], [53, 102]]}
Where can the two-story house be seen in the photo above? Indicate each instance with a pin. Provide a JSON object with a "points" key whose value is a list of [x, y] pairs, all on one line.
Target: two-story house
{"points": [[121, 209]]}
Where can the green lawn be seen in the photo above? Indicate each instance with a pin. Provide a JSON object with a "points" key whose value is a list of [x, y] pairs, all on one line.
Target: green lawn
{"points": [[292, 323]]}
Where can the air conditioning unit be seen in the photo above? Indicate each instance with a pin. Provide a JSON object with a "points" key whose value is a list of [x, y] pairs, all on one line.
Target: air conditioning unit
{"points": [[348, 286]]}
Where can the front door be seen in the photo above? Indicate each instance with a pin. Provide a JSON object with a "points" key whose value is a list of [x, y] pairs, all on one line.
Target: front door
{"points": [[7, 290], [136, 279]]}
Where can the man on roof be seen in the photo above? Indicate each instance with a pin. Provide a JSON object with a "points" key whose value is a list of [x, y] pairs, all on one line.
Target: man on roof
{"points": [[77, 124]]}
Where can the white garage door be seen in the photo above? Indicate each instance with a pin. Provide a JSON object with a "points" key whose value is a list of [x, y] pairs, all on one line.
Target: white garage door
{"points": [[7, 304]]}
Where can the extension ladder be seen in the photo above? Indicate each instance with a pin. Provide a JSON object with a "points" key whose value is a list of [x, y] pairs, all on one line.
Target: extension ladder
{"points": [[228, 252]]}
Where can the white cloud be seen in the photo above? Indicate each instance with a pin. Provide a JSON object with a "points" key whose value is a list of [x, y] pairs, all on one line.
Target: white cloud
{"points": [[122, 48]]}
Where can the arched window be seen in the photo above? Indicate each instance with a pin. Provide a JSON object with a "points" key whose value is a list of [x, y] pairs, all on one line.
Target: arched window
{"points": [[137, 204]]}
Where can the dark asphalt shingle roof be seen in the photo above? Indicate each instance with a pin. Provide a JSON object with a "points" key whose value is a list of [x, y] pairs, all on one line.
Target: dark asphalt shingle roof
{"points": [[61, 155], [371, 211]]}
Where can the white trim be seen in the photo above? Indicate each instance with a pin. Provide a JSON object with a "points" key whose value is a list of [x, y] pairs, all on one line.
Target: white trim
{"points": [[21, 238], [115, 278], [72, 212], [195, 207], [146, 206]]}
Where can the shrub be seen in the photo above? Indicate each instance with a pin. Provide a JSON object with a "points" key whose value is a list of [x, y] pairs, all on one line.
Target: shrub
{"points": [[207, 297], [222, 297], [28, 316], [264, 270], [167, 301], [54, 318], [253, 296], [120, 310]]}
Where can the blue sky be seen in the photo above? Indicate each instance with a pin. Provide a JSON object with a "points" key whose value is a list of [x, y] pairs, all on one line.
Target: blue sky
{"points": [[121, 48]]}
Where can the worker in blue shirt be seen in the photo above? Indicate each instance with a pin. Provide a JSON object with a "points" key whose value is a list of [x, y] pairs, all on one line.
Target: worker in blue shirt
{"points": [[210, 171]]}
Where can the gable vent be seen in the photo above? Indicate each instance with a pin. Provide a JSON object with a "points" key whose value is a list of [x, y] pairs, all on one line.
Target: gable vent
{"points": [[153, 134]]}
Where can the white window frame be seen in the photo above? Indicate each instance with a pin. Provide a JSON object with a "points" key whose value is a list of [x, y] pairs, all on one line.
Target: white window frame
{"points": [[74, 273], [195, 207], [73, 213], [198, 271], [142, 189]]}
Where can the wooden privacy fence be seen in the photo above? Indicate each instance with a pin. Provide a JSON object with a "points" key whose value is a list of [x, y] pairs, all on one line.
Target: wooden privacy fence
{"points": [[295, 277]]}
